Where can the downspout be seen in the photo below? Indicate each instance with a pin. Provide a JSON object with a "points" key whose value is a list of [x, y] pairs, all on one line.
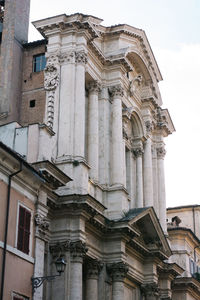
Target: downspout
{"points": [[6, 230]]}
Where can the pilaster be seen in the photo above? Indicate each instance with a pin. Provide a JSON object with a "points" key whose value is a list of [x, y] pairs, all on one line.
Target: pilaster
{"points": [[79, 110], [93, 129], [161, 187], [148, 173], [117, 159], [67, 102]]}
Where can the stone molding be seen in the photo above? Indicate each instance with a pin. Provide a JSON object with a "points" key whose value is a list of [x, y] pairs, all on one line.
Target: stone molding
{"points": [[117, 270], [94, 87], [116, 91], [150, 289], [81, 57], [93, 267], [67, 57], [161, 152]]}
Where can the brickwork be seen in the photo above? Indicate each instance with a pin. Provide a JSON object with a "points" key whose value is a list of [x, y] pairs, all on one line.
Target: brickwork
{"points": [[15, 32], [32, 87]]}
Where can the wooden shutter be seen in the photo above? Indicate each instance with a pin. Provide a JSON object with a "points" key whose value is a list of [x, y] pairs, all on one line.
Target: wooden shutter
{"points": [[23, 229], [17, 298]]}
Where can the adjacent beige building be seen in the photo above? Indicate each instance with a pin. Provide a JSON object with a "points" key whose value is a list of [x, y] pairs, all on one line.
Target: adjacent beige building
{"points": [[89, 120]]}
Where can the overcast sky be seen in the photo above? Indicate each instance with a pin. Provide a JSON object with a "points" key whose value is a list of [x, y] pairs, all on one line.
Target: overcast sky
{"points": [[173, 30]]}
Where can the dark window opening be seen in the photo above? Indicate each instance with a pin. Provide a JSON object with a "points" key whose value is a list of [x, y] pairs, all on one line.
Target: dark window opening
{"points": [[39, 62], [32, 103], [23, 237]]}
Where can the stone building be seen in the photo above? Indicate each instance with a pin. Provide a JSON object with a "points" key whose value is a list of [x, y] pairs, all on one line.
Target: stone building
{"points": [[84, 104], [184, 238]]}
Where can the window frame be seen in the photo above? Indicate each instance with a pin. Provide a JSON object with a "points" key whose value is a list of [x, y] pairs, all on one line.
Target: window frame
{"points": [[16, 296], [31, 229], [41, 67]]}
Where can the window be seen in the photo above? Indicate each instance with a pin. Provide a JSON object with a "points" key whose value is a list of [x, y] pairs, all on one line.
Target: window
{"points": [[39, 62], [23, 237], [32, 103]]}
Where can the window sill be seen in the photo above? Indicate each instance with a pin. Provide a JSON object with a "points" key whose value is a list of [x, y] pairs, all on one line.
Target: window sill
{"points": [[18, 253]]}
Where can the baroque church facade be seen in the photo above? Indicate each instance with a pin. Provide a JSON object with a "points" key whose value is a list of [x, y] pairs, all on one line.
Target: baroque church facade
{"points": [[82, 107]]}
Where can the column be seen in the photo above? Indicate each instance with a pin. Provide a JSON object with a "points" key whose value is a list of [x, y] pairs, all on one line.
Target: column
{"points": [[66, 107], [161, 187], [93, 268], [155, 180], [79, 112], [41, 227], [150, 291], [93, 129], [104, 136], [139, 176], [148, 174], [117, 158], [78, 251], [118, 273]]}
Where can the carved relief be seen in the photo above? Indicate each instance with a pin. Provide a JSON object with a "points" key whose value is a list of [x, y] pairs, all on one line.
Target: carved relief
{"points": [[160, 119], [81, 57], [134, 85], [116, 91], [51, 77], [149, 126], [117, 271], [51, 81]]}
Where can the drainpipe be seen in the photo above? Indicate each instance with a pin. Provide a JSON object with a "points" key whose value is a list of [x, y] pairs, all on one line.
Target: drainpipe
{"points": [[6, 230]]}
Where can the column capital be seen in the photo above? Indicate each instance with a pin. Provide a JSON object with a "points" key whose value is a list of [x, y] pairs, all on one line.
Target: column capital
{"points": [[116, 91], [67, 57], [117, 271], [138, 152], [93, 267], [59, 248], [94, 87], [161, 152], [150, 289], [81, 57], [42, 225], [78, 250]]}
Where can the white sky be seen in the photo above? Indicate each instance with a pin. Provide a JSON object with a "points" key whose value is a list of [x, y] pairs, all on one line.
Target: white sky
{"points": [[172, 27]]}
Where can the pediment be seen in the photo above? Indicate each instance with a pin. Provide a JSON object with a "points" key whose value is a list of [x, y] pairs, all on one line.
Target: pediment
{"points": [[145, 221]]}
